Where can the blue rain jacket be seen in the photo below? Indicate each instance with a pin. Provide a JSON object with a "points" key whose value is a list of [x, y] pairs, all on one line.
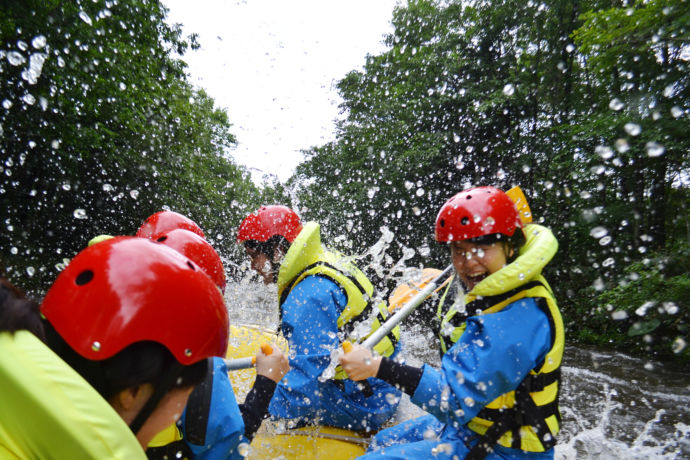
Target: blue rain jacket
{"points": [[493, 355], [309, 322], [224, 430]]}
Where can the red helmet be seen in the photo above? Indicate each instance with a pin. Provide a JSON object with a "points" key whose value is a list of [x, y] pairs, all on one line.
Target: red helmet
{"points": [[127, 290], [164, 221], [477, 212], [268, 221], [196, 249]]}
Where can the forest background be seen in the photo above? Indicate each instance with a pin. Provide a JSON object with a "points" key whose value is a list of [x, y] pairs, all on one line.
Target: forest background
{"points": [[582, 103]]}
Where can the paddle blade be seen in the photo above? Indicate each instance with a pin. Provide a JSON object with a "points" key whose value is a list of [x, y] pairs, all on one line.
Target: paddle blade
{"points": [[518, 197], [405, 292]]}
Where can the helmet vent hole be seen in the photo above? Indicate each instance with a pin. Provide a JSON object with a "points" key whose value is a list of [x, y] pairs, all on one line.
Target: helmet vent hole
{"points": [[84, 277], [191, 265], [469, 197], [162, 238], [465, 220]]}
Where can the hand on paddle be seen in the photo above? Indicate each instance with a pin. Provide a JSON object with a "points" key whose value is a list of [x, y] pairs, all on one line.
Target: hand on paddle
{"points": [[271, 362], [359, 362]]}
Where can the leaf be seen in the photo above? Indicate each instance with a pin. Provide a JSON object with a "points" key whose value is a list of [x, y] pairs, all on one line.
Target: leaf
{"points": [[643, 327]]}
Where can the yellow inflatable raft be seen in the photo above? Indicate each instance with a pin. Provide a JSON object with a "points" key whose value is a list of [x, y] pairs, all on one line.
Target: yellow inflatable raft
{"points": [[276, 440]]}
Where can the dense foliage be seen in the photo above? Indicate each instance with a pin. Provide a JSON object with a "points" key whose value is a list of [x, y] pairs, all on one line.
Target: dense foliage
{"points": [[584, 104], [100, 128]]}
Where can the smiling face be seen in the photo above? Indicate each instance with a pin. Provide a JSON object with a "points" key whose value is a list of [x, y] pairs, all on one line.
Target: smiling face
{"points": [[474, 262]]}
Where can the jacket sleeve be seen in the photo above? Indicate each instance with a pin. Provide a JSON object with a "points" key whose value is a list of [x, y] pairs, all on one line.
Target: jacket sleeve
{"points": [[310, 324], [492, 357], [255, 407]]}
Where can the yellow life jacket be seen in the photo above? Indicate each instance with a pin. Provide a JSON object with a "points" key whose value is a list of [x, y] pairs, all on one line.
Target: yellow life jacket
{"points": [[526, 418], [168, 444], [306, 257], [47, 410]]}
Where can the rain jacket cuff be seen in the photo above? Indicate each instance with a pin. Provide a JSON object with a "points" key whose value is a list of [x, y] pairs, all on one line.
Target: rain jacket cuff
{"points": [[401, 375]]}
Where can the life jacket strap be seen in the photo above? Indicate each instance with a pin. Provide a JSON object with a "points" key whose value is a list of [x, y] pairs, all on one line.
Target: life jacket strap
{"points": [[290, 285], [198, 409], [529, 414], [177, 449], [482, 304]]}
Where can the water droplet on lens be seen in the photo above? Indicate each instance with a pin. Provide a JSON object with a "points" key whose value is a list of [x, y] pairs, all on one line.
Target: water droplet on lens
{"points": [[243, 449], [616, 104], [633, 129], [16, 58], [678, 345], [619, 315], [654, 149], [598, 232], [39, 42], [85, 17], [603, 151]]}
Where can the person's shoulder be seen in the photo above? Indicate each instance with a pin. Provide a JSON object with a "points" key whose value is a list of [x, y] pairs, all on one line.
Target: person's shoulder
{"points": [[526, 305], [318, 287], [319, 281]]}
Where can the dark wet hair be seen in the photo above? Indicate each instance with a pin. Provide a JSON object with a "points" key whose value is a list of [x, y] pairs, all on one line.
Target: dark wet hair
{"points": [[269, 246], [514, 242], [137, 364], [17, 312]]}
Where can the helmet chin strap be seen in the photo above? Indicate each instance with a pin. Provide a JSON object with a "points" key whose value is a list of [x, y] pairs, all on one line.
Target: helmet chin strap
{"points": [[166, 384]]}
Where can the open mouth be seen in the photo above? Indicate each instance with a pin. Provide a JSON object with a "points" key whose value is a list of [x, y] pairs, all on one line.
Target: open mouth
{"points": [[475, 279]]}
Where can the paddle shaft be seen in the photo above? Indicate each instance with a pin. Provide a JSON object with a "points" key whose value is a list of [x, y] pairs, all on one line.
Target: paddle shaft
{"points": [[406, 309], [246, 363], [239, 363], [378, 334]]}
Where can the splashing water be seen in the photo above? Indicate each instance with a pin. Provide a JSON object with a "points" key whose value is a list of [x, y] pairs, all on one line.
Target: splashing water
{"points": [[613, 406]]}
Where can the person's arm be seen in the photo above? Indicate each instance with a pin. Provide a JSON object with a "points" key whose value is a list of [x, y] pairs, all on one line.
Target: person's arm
{"points": [[255, 407], [492, 357], [310, 324], [270, 368], [359, 363]]}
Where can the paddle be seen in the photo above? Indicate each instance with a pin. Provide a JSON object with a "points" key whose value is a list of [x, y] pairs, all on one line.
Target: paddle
{"points": [[518, 197], [246, 363], [379, 334], [403, 312]]}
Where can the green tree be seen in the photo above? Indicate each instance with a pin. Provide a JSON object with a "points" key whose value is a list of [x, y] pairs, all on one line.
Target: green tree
{"points": [[99, 129], [582, 103]]}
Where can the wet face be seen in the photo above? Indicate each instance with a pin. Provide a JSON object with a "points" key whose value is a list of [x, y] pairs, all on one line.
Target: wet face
{"points": [[168, 411], [130, 401], [261, 264], [474, 262]]}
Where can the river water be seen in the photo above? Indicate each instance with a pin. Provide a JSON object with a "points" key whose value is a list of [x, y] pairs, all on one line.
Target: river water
{"points": [[614, 406]]}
